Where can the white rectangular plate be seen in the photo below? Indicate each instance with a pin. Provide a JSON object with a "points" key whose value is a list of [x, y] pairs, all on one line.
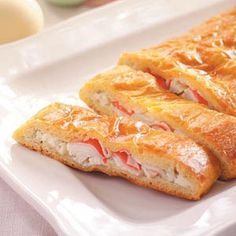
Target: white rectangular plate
{"points": [[52, 66]]}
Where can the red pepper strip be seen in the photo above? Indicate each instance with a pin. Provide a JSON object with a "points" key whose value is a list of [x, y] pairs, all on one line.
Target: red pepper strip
{"points": [[199, 98], [124, 156], [161, 125], [161, 82], [121, 108], [95, 143]]}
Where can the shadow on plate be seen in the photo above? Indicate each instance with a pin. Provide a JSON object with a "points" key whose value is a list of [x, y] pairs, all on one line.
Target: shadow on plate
{"points": [[139, 204], [128, 201]]}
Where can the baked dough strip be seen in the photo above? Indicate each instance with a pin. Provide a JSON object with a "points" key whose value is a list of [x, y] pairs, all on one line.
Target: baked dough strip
{"points": [[119, 146], [136, 94]]}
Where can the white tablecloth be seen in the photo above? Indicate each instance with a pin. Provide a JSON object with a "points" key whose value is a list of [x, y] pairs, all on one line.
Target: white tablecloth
{"points": [[18, 218]]}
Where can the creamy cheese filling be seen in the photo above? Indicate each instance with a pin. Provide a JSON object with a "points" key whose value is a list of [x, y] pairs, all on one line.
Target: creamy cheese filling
{"points": [[87, 155], [52, 142]]}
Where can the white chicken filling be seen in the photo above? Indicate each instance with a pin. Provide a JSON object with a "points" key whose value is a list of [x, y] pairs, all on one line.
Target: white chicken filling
{"points": [[87, 155], [103, 100], [84, 153], [183, 90], [177, 87], [119, 163]]}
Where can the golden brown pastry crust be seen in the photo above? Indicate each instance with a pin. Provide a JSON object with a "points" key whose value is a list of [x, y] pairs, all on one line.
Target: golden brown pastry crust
{"points": [[138, 91], [71, 124], [204, 59]]}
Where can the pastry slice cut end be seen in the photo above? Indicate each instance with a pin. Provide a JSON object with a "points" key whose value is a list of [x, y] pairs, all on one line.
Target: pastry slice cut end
{"points": [[72, 136], [135, 94]]}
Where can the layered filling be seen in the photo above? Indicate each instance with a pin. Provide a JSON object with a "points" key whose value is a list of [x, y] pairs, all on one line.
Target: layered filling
{"points": [[91, 152], [103, 100], [181, 89]]}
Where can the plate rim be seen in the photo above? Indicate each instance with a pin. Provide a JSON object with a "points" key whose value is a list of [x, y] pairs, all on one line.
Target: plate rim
{"points": [[5, 174]]}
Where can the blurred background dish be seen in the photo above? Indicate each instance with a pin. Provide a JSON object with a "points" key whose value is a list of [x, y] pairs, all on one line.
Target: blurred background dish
{"points": [[55, 12], [66, 2], [19, 19]]}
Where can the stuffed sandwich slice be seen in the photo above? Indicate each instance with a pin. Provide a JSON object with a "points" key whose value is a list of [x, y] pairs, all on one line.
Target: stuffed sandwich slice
{"points": [[119, 146], [136, 94], [199, 66]]}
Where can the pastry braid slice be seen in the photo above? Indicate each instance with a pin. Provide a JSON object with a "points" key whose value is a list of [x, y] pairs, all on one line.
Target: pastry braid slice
{"points": [[136, 94], [199, 66], [121, 147]]}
